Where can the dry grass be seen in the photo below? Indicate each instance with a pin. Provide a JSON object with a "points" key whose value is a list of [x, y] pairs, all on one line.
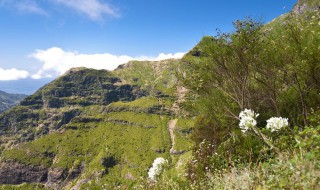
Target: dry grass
{"points": [[300, 171]]}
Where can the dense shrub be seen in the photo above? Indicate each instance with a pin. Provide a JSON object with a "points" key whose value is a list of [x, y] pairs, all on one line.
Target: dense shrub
{"points": [[272, 69]]}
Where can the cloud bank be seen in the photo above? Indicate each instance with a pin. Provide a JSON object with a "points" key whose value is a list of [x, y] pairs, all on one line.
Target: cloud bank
{"points": [[12, 74], [56, 61]]}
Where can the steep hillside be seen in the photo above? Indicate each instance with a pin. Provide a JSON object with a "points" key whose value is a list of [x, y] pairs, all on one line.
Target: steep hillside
{"points": [[8, 100], [257, 105], [95, 129]]}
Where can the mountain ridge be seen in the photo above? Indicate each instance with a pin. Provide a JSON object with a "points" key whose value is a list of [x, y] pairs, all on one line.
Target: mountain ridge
{"points": [[82, 102]]}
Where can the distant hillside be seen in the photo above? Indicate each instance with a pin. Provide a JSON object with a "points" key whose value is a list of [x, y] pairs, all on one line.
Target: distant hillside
{"points": [[89, 127], [8, 100]]}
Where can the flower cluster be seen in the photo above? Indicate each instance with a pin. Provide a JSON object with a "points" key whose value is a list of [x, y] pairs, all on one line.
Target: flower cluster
{"points": [[157, 167], [276, 123], [247, 119]]}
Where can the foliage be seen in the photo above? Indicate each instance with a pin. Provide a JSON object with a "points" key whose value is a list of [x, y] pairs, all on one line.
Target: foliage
{"points": [[293, 169], [272, 71]]}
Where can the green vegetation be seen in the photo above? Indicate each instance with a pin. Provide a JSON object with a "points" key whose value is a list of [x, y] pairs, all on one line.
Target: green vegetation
{"points": [[158, 77], [273, 70], [96, 126], [182, 133], [148, 104], [139, 119], [133, 147], [103, 130]]}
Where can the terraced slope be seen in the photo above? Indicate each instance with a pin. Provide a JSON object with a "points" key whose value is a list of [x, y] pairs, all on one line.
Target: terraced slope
{"points": [[95, 129]]}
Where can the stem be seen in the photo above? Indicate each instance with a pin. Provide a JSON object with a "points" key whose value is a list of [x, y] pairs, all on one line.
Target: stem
{"points": [[264, 138], [303, 104]]}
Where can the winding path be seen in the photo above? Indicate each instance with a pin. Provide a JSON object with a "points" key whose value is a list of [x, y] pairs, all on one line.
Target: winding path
{"points": [[171, 126]]}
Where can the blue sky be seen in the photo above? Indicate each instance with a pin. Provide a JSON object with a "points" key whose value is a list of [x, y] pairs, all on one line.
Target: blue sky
{"points": [[41, 39]]}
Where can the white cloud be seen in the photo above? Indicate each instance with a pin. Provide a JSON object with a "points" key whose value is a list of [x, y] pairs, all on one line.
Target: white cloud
{"points": [[29, 6], [56, 61], [163, 56], [24, 6], [94, 9], [12, 74]]}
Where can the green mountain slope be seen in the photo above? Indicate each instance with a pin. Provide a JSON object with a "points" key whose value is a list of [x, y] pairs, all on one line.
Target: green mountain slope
{"points": [[91, 128], [8, 100]]}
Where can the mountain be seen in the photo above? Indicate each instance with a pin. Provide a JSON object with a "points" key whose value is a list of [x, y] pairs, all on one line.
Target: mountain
{"points": [[95, 125], [8, 100]]}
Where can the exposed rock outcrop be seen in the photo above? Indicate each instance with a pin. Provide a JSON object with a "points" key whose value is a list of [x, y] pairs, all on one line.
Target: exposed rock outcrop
{"points": [[16, 173], [302, 6]]}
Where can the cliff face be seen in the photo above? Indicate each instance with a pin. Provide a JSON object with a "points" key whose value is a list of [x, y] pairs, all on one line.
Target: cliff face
{"points": [[83, 87], [58, 102], [15, 173], [90, 125]]}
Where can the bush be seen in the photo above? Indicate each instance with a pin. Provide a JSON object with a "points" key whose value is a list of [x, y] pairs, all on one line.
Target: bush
{"points": [[272, 71]]}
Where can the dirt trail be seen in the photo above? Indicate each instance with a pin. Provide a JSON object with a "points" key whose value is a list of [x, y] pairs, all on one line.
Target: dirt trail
{"points": [[171, 126], [181, 92]]}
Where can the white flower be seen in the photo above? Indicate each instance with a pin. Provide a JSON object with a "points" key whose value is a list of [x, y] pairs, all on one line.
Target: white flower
{"points": [[276, 123], [156, 168], [246, 123], [247, 119], [247, 113]]}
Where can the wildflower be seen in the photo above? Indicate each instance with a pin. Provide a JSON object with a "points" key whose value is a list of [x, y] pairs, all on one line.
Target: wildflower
{"points": [[276, 123], [157, 168], [247, 119]]}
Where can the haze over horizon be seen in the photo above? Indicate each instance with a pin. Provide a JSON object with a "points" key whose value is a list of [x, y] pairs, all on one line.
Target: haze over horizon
{"points": [[42, 39]]}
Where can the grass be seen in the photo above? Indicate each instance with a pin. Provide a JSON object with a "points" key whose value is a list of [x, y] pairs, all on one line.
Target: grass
{"points": [[287, 171], [156, 76], [139, 119], [148, 105], [299, 169], [144, 102], [182, 134], [134, 146]]}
